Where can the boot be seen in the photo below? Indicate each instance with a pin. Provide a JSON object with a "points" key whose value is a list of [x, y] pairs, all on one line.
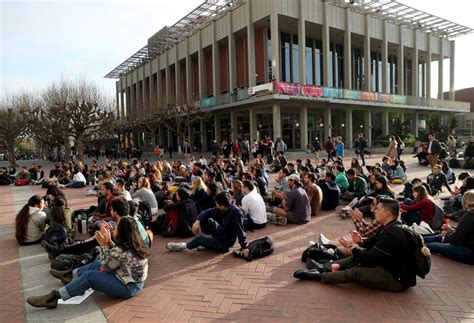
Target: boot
{"points": [[304, 274], [65, 276], [52, 250], [49, 301], [313, 264]]}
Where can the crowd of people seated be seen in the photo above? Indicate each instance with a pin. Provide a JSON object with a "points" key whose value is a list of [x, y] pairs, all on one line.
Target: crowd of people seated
{"points": [[214, 202]]}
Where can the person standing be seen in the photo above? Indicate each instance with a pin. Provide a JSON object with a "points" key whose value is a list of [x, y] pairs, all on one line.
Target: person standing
{"points": [[317, 149], [329, 147], [451, 146], [362, 147], [339, 147], [434, 148], [392, 149]]}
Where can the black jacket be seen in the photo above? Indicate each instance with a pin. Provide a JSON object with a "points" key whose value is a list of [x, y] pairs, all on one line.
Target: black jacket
{"points": [[464, 233], [331, 194], [187, 213], [390, 249], [435, 147]]}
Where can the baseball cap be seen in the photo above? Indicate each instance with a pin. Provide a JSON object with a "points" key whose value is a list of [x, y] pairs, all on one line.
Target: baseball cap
{"points": [[294, 177]]}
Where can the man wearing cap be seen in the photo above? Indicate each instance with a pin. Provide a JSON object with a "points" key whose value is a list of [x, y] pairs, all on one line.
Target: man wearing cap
{"points": [[295, 207]]}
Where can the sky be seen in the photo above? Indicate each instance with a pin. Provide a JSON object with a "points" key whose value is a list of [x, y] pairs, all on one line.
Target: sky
{"points": [[44, 41]]}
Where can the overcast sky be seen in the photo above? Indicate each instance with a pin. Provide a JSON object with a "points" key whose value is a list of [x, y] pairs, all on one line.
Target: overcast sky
{"points": [[42, 41]]}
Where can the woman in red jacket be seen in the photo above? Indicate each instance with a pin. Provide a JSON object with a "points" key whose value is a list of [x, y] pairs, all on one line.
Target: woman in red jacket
{"points": [[420, 209]]}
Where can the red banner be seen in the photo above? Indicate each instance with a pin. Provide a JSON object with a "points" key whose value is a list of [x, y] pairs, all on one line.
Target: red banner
{"points": [[312, 90], [369, 96], [287, 88]]}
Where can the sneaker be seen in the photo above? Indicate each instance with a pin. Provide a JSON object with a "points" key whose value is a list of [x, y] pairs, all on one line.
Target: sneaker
{"points": [[201, 248], [323, 239], [176, 246], [281, 220]]}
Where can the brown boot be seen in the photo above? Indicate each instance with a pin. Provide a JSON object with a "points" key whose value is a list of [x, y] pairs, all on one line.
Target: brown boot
{"points": [[49, 301], [64, 275]]}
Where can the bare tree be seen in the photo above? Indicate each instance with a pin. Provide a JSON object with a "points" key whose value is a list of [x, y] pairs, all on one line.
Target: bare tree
{"points": [[13, 122], [179, 118]]}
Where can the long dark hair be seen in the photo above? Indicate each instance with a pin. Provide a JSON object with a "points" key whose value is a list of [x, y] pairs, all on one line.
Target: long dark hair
{"points": [[57, 211], [55, 191], [23, 217], [128, 238]]}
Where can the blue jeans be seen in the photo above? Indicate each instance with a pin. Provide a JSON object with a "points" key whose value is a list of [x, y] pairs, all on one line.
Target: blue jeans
{"points": [[89, 276], [362, 155], [412, 216], [211, 243], [452, 251], [75, 184]]}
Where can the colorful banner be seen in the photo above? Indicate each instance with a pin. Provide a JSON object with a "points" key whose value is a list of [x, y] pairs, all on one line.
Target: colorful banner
{"points": [[266, 88], [287, 88], [312, 90], [330, 92], [382, 97], [208, 102], [351, 94], [368, 96], [400, 99]]}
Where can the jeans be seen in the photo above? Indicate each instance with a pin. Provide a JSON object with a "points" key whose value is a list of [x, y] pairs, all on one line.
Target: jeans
{"points": [[412, 216], [452, 251], [211, 243], [89, 276], [376, 277], [362, 157], [75, 184]]}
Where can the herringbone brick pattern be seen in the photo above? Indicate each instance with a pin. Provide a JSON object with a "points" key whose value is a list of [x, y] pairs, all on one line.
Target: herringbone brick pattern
{"points": [[202, 286]]}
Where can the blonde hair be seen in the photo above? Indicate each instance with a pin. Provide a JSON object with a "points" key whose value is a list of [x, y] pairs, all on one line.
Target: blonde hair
{"points": [[468, 200], [143, 182], [198, 182]]}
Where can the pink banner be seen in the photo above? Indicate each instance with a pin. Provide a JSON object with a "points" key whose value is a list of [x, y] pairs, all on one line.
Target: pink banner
{"points": [[287, 88], [312, 90], [369, 96]]}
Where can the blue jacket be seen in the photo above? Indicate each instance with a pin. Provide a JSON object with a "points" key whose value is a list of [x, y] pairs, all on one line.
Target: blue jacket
{"points": [[340, 149]]}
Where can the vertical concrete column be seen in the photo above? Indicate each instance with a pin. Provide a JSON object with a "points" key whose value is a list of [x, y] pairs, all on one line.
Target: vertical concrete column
{"points": [[122, 101], [452, 62], [385, 122], [234, 126], [251, 45], [302, 43], [231, 45], [428, 68], [151, 99], [177, 79], [144, 107], [276, 121], [117, 99], [304, 126], [367, 58], [167, 79], [384, 50], [414, 67], [217, 129], [275, 38], [215, 63], [253, 124], [202, 81], [349, 131], [188, 74], [440, 69], [368, 127], [416, 124], [158, 85], [326, 44], [348, 51], [400, 63], [327, 124], [203, 134]]}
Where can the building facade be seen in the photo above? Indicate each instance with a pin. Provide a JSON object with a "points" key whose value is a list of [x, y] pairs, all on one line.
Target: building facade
{"points": [[296, 69]]}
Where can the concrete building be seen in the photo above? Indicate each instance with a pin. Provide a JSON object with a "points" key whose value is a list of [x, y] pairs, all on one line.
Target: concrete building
{"points": [[465, 126], [296, 69]]}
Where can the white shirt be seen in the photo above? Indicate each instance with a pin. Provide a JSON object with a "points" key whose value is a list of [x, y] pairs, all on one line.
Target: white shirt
{"points": [[429, 146], [126, 194], [79, 177], [254, 206], [35, 224]]}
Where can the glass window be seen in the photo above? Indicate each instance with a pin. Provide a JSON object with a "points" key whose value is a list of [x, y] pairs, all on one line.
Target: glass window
{"points": [[295, 59], [269, 55], [309, 61], [318, 62], [285, 58]]}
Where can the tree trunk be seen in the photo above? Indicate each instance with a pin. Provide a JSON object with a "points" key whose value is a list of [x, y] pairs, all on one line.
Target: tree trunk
{"points": [[11, 154], [80, 147], [67, 149]]}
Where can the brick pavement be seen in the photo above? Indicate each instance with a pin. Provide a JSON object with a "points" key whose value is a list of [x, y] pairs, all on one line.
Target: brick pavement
{"points": [[196, 286]]}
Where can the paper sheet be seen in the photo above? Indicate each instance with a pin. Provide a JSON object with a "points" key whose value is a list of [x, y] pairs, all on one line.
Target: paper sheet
{"points": [[76, 300]]}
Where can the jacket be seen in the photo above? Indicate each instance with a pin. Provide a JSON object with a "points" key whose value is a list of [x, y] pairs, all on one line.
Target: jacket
{"points": [[435, 147], [187, 213], [389, 249]]}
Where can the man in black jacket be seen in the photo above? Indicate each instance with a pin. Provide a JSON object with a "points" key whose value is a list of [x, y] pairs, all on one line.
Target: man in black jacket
{"points": [[383, 261], [434, 148]]}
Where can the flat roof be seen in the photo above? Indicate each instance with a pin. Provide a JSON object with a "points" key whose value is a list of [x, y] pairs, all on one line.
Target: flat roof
{"points": [[390, 10]]}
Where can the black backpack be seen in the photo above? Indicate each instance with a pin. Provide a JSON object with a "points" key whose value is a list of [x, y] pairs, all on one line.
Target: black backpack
{"points": [[144, 212], [67, 261], [56, 235], [320, 253], [257, 249], [421, 254]]}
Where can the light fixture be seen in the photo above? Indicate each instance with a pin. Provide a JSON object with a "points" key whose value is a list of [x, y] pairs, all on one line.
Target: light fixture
{"points": [[321, 125], [343, 125], [297, 125], [362, 126]]}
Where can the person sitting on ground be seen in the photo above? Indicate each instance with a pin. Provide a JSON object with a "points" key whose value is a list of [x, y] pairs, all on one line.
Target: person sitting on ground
{"points": [[419, 209], [437, 180], [180, 215], [457, 243], [120, 271], [386, 167], [23, 176], [78, 181], [37, 176], [260, 180], [62, 215], [341, 178], [398, 174], [225, 225], [448, 172], [364, 228], [199, 192], [30, 222], [454, 208], [144, 193], [295, 207], [357, 187], [331, 192], [253, 207], [469, 156], [236, 192], [383, 261], [120, 190], [315, 194]]}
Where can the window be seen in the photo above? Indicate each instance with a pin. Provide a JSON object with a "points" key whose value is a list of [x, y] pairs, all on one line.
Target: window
{"points": [[309, 61], [285, 57], [269, 55], [295, 60], [318, 62]]}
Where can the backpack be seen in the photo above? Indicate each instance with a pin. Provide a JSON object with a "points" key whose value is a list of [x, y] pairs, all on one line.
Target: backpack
{"points": [[21, 182], [421, 254], [439, 217], [67, 261], [56, 235], [257, 249], [144, 211], [320, 253]]}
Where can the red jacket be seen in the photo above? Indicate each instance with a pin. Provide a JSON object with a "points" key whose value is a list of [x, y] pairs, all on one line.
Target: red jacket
{"points": [[424, 207]]}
